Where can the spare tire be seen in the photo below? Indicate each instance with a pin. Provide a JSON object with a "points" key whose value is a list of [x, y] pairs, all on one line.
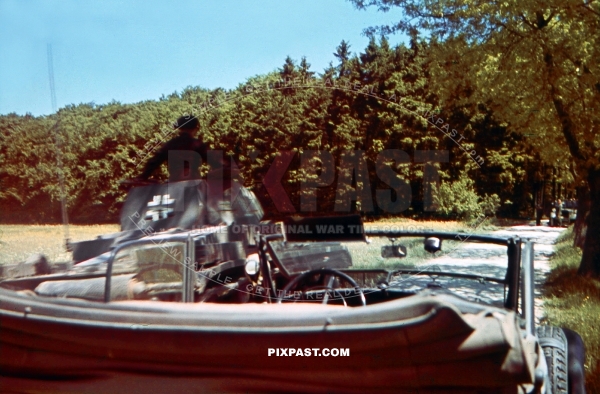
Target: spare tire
{"points": [[554, 343]]}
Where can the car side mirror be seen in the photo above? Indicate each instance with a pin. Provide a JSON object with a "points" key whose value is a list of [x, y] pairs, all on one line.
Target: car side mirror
{"points": [[433, 244], [389, 251]]}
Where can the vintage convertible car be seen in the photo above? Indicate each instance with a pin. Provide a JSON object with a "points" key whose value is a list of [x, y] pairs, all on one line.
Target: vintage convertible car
{"points": [[198, 294]]}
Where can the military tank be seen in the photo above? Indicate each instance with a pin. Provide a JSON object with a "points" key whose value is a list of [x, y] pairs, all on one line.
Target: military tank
{"points": [[223, 224]]}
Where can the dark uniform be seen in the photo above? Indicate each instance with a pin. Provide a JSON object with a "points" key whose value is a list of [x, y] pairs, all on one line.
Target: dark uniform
{"points": [[559, 212], [183, 153]]}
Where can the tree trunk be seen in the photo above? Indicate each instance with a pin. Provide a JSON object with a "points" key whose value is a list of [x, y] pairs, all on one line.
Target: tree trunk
{"points": [[583, 209], [590, 261], [553, 185]]}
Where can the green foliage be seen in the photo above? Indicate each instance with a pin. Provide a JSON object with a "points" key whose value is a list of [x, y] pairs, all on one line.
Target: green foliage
{"points": [[460, 199], [535, 64], [370, 101]]}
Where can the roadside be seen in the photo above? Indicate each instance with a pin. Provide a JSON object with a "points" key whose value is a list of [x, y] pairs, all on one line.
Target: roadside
{"points": [[562, 298], [544, 238], [488, 260], [573, 301]]}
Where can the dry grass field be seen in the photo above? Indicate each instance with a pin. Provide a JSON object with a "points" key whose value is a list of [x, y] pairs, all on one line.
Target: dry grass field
{"points": [[17, 242]]}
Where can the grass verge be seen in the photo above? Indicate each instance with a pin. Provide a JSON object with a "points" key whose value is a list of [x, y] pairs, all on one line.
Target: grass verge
{"points": [[370, 257], [573, 301]]}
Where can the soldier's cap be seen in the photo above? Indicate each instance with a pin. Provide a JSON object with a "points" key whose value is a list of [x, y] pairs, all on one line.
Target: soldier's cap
{"points": [[186, 122]]}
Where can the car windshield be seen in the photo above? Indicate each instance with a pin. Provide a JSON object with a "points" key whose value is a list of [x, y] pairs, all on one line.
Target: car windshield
{"points": [[474, 270], [291, 266]]}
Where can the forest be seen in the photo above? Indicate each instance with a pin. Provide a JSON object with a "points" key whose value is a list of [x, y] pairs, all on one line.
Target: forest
{"points": [[379, 99]]}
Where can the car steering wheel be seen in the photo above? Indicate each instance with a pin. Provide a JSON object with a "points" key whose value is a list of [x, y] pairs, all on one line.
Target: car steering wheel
{"points": [[324, 272]]}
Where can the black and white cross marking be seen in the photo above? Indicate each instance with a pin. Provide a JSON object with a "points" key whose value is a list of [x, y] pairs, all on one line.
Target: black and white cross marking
{"points": [[161, 207]]}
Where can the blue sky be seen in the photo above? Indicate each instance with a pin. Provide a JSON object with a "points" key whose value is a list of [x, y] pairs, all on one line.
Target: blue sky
{"points": [[131, 51]]}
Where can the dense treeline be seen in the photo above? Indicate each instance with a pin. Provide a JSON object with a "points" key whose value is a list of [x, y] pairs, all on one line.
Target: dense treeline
{"points": [[376, 100]]}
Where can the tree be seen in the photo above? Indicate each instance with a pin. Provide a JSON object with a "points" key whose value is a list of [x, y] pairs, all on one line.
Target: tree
{"points": [[535, 64], [305, 69], [343, 55], [288, 71]]}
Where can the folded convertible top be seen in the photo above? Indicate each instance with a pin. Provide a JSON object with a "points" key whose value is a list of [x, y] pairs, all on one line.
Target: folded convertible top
{"points": [[429, 341]]}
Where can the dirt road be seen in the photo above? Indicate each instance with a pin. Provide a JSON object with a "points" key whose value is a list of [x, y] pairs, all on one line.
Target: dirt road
{"points": [[487, 260]]}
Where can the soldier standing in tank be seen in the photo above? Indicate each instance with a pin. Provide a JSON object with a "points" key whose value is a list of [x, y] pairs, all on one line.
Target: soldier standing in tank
{"points": [[185, 166]]}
